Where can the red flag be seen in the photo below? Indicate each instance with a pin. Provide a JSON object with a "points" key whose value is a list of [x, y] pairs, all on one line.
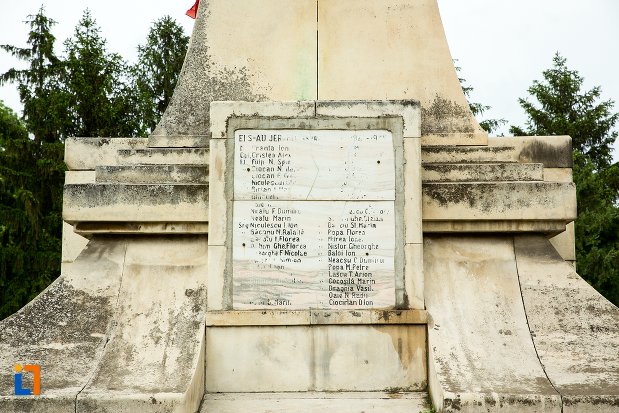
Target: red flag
{"points": [[192, 12]]}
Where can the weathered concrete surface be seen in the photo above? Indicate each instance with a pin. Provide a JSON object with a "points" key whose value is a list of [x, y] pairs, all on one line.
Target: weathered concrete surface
{"points": [[154, 359], [485, 201], [401, 46], [575, 330], [228, 59], [551, 151], [87, 153], [135, 203], [485, 172], [325, 50], [163, 156], [64, 330], [122, 330], [312, 402], [152, 174], [482, 357], [316, 358]]}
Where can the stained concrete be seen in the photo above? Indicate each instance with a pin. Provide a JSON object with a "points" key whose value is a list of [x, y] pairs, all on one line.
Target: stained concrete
{"points": [[514, 328], [121, 330], [575, 329], [325, 50], [65, 330], [482, 357]]}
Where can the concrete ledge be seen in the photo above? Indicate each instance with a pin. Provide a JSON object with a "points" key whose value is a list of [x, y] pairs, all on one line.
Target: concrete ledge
{"points": [[135, 203], [497, 226], [316, 402], [488, 172], [150, 228], [178, 141], [314, 317], [87, 153], [163, 156], [501, 201], [551, 151], [152, 174]]}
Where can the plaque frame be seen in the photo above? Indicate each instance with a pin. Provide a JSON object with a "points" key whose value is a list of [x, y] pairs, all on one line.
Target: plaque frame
{"points": [[401, 118]]}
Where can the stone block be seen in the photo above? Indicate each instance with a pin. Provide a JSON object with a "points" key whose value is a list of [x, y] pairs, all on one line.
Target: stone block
{"points": [[152, 174], [408, 110], [320, 358], [221, 111], [137, 203], [72, 243], [499, 201], [565, 243], [413, 276], [154, 358], [412, 192], [484, 172], [265, 359], [558, 175], [551, 151], [178, 141], [79, 177], [163, 156], [87, 153], [316, 402]]}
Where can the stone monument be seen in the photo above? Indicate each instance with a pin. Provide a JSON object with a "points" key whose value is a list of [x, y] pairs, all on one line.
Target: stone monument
{"points": [[318, 223]]}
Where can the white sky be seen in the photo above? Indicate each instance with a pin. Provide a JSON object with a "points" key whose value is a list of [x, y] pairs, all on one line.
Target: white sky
{"points": [[502, 46]]}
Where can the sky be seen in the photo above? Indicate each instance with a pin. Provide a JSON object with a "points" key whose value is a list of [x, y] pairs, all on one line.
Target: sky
{"points": [[501, 45]]}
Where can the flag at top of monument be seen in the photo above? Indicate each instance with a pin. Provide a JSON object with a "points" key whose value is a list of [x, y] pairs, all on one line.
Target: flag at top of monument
{"points": [[193, 11]]}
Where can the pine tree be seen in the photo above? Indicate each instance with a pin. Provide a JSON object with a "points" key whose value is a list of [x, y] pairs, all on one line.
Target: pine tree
{"points": [[562, 108], [98, 83], [160, 61]]}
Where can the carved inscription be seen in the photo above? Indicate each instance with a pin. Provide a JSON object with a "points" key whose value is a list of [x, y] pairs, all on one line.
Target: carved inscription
{"points": [[314, 227]]}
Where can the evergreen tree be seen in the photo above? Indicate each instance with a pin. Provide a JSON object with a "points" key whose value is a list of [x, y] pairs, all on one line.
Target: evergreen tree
{"points": [[564, 109], [97, 82], [160, 61], [39, 85], [31, 175]]}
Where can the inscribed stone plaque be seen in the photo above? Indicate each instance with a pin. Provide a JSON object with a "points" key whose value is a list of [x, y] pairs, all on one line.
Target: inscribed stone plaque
{"points": [[313, 219]]}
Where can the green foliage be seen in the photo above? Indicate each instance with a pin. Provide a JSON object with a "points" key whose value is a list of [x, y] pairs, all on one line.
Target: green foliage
{"points": [[89, 92], [31, 174], [39, 85], [478, 109], [97, 84], [566, 110], [159, 64]]}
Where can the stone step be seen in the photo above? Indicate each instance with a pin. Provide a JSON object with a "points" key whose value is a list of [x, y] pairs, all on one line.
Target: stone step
{"points": [[135, 203], [485, 172], [178, 141], [551, 151], [164, 156], [316, 402], [152, 174], [498, 201]]}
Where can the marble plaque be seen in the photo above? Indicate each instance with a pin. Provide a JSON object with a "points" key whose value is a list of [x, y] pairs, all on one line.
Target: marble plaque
{"points": [[313, 219], [314, 164]]}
